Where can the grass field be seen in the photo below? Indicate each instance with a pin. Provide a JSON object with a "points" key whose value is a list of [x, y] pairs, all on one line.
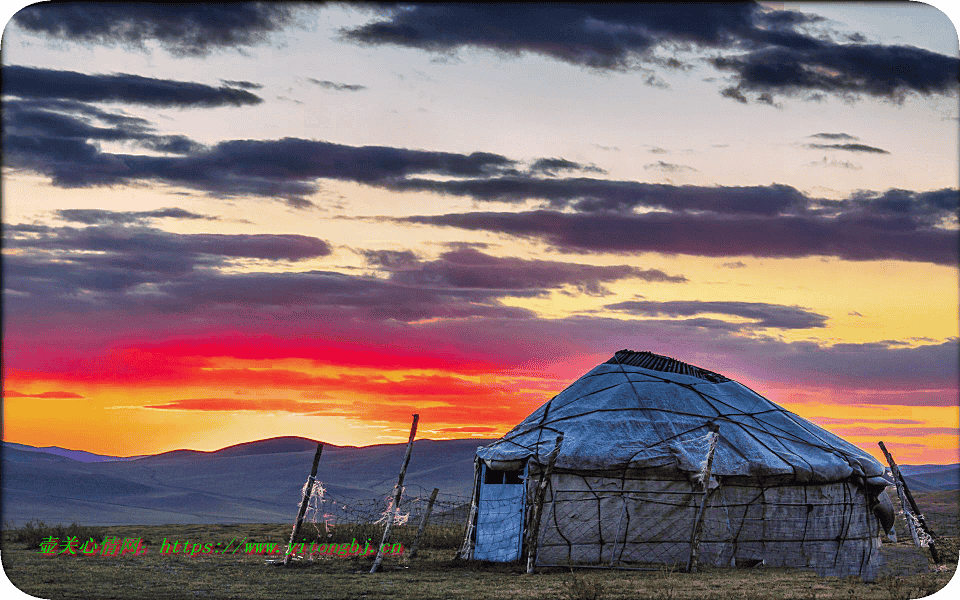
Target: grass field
{"points": [[432, 574]]}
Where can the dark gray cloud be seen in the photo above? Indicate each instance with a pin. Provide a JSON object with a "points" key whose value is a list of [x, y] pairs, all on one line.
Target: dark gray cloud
{"points": [[137, 285], [778, 56], [286, 169], [892, 210], [247, 85], [761, 313], [337, 87], [468, 268], [603, 36], [787, 18], [835, 136], [391, 260], [848, 148], [593, 195], [330, 293], [126, 269], [30, 82], [181, 29], [43, 133], [832, 162], [552, 166], [849, 237], [66, 272], [734, 94], [141, 243], [668, 167], [96, 216], [888, 72], [902, 209]]}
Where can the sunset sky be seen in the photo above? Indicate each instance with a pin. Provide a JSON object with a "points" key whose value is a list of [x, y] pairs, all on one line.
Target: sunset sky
{"points": [[225, 223]]}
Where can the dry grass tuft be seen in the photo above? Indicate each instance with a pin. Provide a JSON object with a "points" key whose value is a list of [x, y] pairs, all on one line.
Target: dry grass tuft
{"points": [[582, 587]]}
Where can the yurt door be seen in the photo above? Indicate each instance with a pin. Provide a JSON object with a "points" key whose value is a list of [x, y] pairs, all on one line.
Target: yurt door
{"points": [[500, 515]]}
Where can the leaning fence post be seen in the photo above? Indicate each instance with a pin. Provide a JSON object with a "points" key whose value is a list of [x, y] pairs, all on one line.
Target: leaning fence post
{"points": [[905, 506], [694, 559], [307, 492], [466, 550], [898, 477], [423, 524], [907, 514], [396, 497], [533, 531]]}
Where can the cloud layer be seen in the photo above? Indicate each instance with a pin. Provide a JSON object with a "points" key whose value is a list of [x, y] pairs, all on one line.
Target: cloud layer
{"points": [[61, 139], [28, 82], [766, 51], [181, 29], [851, 237], [761, 313], [119, 265]]}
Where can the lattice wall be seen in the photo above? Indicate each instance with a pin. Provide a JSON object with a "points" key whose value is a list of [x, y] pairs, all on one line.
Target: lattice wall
{"points": [[636, 522]]}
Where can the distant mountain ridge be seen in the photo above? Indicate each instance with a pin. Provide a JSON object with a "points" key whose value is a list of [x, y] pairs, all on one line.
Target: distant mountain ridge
{"points": [[931, 478], [276, 445], [257, 481], [79, 455]]}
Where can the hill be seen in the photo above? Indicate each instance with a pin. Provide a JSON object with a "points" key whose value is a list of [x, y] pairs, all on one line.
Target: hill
{"points": [[931, 478], [78, 455], [246, 483]]}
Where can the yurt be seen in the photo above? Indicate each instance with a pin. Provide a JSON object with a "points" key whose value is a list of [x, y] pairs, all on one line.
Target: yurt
{"points": [[629, 483]]}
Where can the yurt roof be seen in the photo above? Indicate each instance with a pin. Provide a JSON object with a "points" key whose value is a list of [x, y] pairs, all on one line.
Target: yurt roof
{"points": [[641, 410]]}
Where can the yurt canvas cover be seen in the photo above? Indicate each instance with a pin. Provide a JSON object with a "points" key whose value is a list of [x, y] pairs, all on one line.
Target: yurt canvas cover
{"points": [[624, 491]]}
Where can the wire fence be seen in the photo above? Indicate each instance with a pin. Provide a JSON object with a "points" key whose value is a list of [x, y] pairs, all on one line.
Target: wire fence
{"points": [[333, 509], [333, 518]]}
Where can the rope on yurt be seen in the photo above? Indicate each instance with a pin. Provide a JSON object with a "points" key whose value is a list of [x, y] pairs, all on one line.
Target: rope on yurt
{"points": [[616, 537], [847, 502]]}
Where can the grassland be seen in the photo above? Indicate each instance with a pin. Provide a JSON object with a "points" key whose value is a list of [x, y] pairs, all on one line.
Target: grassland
{"points": [[432, 574]]}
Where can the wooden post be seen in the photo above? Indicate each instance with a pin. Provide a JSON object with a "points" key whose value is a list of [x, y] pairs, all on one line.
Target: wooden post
{"points": [[904, 505], [304, 502], [898, 477], [423, 524], [534, 529], [466, 551], [396, 497], [694, 559]]}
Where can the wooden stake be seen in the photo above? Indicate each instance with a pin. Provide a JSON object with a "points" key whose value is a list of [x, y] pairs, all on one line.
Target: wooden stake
{"points": [[398, 491], [534, 529], [898, 478], [304, 502], [694, 559], [906, 512], [466, 551], [423, 524]]}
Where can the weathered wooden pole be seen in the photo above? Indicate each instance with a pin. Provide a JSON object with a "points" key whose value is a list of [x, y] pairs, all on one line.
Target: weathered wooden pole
{"points": [[907, 515], [694, 559], [898, 477], [534, 529], [423, 525], [466, 550], [396, 497], [905, 507], [304, 502]]}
